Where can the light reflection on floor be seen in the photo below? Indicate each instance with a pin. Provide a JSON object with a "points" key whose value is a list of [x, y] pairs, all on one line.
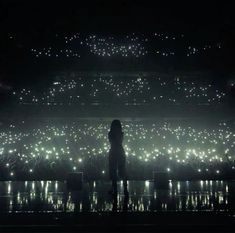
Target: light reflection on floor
{"points": [[52, 196]]}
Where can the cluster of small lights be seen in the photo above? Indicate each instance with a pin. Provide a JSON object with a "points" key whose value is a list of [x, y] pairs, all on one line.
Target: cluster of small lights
{"points": [[139, 89], [120, 88], [193, 50], [206, 91], [130, 45], [55, 53], [165, 53], [84, 146]]}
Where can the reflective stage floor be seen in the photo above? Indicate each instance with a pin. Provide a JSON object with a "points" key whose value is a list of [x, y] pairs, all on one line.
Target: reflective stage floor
{"points": [[53, 197], [47, 206]]}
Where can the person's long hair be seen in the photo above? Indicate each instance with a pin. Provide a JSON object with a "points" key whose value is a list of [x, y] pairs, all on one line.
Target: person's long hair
{"points": [[116, 126]]}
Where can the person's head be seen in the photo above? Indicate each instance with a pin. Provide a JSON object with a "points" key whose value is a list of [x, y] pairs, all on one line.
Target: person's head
{"points": [[116, 126]]}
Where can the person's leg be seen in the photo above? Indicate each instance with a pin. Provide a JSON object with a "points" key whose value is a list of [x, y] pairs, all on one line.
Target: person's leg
{"points": [[122, 174], [113, 173], [114, 186], [114, 203], [125, 187]]}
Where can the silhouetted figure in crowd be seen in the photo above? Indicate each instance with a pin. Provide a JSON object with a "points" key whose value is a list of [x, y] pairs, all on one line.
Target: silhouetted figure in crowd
{"points": [[117, 157]]}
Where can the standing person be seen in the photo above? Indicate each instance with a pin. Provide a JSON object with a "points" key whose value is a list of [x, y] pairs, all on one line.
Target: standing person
{"points": [[117, 157]]}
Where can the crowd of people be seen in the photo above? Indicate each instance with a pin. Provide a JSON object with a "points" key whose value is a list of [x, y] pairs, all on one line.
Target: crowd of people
{"points": [[132, 45], [53, 148], [135, 90]]}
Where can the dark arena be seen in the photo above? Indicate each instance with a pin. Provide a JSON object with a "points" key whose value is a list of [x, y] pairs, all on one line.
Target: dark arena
{"points": [[117, 116]]}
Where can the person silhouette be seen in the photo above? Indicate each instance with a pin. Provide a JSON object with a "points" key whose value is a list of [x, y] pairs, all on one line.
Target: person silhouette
{"points": [[117, 157]]}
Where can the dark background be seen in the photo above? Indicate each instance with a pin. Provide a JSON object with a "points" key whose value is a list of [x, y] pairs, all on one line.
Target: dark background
{"points": [[36, 22]]}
